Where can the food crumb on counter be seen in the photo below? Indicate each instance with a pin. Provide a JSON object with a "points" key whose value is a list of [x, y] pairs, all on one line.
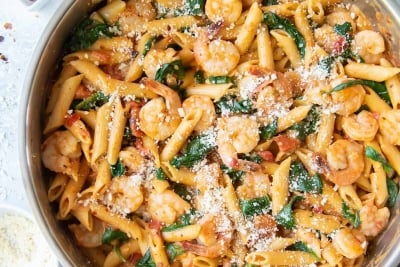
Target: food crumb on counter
{"points": [[7, 25]]}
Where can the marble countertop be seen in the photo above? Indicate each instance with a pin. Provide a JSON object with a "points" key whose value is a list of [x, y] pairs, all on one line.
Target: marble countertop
{"points": [[20, 30]]}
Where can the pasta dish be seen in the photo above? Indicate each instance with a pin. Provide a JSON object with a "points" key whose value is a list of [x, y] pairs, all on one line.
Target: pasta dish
{"points": [[224, 133]]}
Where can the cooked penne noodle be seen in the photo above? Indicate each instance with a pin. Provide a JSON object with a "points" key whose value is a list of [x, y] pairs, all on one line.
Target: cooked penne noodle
{"points": [[57, 186], [370, 72], [64, 100], [249, 28]]}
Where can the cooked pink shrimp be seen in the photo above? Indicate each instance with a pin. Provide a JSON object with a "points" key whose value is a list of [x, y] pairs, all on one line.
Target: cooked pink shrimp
{"points": [[361, 127], [216, 243], [216, 57], [346, 162], [61, 153], [236, 134], [124, 194], [373, 219], [160, 117]]}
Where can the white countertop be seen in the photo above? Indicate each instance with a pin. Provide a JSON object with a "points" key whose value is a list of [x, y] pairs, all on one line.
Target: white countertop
{"points": [[20, 28]]}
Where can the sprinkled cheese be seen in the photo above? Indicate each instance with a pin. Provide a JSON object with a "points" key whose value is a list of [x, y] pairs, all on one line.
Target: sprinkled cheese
{"points": [[21, 243]]}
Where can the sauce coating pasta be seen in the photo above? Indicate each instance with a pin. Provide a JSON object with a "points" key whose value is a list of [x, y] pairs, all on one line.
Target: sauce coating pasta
{"points": [[224, 133]]}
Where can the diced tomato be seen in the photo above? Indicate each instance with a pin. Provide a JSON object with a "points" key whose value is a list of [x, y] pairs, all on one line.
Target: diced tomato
{"points": [[266, 155], [82, 92], [134, 118], [113, 71], [155, 226], [103, 57], [318, 209], [286, 143], [71, 119], [339, 45], [134, 258]]}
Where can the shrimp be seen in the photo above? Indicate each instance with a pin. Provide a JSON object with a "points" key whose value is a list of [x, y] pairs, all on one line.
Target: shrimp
{"points": [[143, 9], [132, 159], [361, 127], [124, 194], [351, 243], [373, 219], [340, 16], [155, 58], [389, 126], [348, 100], [135, 15], [228, 11], [255, 184], [86, 238], [204, 103], [328, 39], [166, 206], [346, 162], [216, 241], [236, 134], [216, 57], [61, 153], [265, 225], [272, 90], [370, 45], [158, 118]]}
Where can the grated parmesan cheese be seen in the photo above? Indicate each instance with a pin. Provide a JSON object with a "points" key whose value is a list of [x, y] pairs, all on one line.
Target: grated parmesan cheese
{"points": [[21, 243]]}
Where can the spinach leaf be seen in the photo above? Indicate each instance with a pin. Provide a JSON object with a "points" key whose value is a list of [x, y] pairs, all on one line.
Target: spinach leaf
{"points": [[128, 136], [270, 2], [183, 221], [220, 79], [96, 99], [117, 169], [371, 153], [301, 246], [344, 30], [326, 63], [378, 87], [195, 7], [353, 218], [189, 7], [87, 32], [231, 105], [109, 236], [148, 45], [146, 260], [173, 251], [199, 77], [160, 174], [251, 157], [300, 180], [174, 68], [181, 190], [255, 206], [393, 191], [196, 150], [268, 131], [275, 22], [235, 175], [285, 216], [308, 125]]}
